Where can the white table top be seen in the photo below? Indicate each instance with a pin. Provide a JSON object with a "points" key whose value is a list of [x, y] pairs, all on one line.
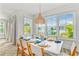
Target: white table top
{"points": [[53, 48]]}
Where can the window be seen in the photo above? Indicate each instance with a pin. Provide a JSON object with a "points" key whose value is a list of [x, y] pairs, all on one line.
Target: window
{"points": [[27, 26], [40, 28], [51, 25], [61, 24], [66, 25], [1, 28]]}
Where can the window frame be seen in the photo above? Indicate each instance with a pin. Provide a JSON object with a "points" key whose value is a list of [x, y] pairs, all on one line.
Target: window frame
{"points": [[57, 21], [3, 35], [30, 26], [47, 25], [74, 25], [3, 27]]}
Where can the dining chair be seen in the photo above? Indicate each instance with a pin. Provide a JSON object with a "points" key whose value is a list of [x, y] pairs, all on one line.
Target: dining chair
{"points": [[36, 50], [29, 48], [72, 52], [77, 43], [24, 47], [19, 49]]}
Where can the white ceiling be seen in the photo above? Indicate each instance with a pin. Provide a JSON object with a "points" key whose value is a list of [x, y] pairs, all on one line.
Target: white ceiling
{"points": [[29, 8]]}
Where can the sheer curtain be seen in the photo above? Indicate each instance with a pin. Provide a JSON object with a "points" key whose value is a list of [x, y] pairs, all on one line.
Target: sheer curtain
{"points": [[11, 29]]}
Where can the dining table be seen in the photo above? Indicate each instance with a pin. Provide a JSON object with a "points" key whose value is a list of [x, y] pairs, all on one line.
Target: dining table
{"points": [[52, 48]]}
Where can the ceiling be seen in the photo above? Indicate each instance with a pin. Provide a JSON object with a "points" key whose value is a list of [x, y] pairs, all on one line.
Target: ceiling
{"points": [[28, 8]]}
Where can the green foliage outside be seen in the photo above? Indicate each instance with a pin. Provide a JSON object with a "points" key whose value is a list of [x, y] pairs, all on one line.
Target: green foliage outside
{"points": [[69, 30], [53, 31], [68, 33], [1, 28], [27, 28]]}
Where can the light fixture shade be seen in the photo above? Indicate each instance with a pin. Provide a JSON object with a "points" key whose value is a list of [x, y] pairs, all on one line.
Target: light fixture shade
{"points": [[39, 19]]}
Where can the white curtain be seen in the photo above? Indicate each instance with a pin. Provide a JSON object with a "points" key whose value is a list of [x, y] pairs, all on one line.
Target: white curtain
{"points": [[11, 29]]}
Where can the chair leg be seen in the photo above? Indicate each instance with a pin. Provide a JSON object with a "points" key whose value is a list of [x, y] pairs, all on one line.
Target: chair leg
{"points": [[19, 53], [42, 51]]}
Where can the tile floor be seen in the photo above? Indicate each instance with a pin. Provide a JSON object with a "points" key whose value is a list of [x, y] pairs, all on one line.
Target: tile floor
{"points": [[7, 48]]}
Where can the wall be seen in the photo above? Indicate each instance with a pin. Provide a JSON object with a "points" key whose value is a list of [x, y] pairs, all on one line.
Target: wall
{"points": [[77, 28], [19, 25]]}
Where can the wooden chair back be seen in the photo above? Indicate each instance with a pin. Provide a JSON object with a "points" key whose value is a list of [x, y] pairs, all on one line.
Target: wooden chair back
{"points": [[29, 48], [36, 50], [73, 51], [24, 46], [18, 47]]}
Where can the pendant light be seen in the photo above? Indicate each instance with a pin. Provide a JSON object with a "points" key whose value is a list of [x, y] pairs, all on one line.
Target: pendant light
{"points": [[39, 23], [39, 19]]}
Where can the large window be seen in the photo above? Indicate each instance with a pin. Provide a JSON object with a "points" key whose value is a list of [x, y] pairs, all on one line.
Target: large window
{"points": [[51, 25], [1, 28], [27, 26], [66, 25], [63, 25]]}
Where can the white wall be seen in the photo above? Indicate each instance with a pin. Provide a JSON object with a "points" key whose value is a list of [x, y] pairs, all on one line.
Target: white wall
{"points": [[77, 28], [19, 25]]}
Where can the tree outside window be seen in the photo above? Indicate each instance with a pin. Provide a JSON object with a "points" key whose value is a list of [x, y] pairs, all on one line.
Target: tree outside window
{"points": [[27, 26], [1, 27], [51, 25], [66, 26], [63, 22]]}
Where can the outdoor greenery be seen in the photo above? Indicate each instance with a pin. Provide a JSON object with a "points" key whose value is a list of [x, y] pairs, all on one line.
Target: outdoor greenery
{"points": [[27, 28], [69, 31], [1, 28], [53, 31]]}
